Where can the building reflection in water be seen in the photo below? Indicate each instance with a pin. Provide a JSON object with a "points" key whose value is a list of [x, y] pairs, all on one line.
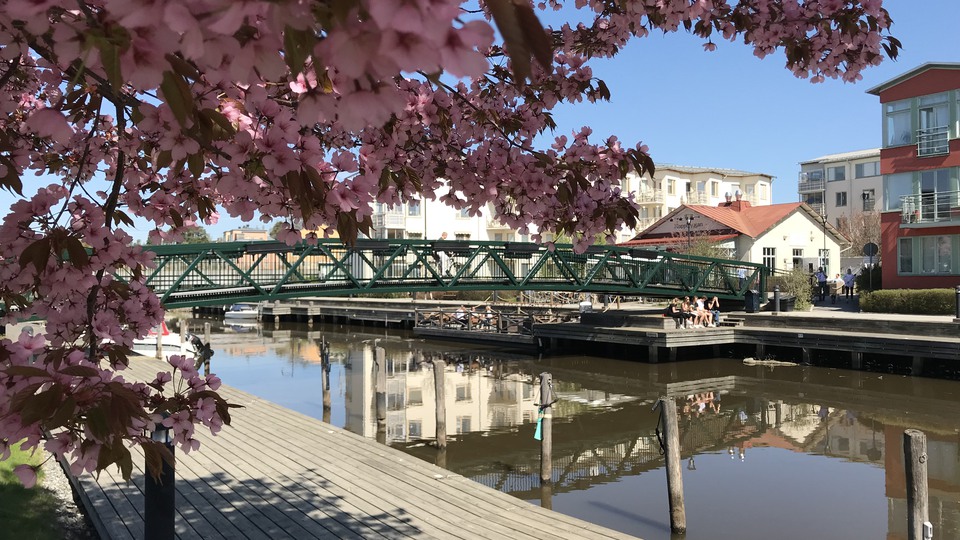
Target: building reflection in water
{"points": [[603, 429]]}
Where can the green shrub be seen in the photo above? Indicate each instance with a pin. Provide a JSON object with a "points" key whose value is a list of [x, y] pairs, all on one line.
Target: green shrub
{"points": [[865, 280], [797, 284], [911, 301]]}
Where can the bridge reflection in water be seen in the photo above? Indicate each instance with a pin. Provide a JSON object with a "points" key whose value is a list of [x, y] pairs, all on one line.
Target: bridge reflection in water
{"points": [[799, 452]]}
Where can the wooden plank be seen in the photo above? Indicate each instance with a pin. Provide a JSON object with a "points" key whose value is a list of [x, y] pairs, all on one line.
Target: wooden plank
{"points": [[243, 484]]}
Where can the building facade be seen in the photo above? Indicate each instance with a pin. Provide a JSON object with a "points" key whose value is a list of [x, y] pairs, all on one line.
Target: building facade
{"points": [[673, 186], [429, 219], [920, 164], [783, 237], [839, 186], [245, 234]]}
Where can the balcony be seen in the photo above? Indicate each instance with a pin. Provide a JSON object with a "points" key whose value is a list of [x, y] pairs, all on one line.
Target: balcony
{"points": [[933, 141], [810, 186], [389, 220], [930, 207], [494, 223], [647, 197], [817, 207]]}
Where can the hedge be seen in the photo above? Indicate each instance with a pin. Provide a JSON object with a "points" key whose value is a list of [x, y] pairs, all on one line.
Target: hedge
{"points": [[910, 301]]}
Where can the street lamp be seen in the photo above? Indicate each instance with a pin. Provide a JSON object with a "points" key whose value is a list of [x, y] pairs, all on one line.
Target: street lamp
{"points": [[823, 254], [689, 222]]}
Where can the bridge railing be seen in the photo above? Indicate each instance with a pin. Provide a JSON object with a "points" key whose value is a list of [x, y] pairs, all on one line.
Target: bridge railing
{"points": [[212, 274]]}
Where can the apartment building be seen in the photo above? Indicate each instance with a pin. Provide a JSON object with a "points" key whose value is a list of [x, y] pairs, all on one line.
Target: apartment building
{"points": [[429, 219], [838, 186], [920, 164], [674, 186], [245, 234]]}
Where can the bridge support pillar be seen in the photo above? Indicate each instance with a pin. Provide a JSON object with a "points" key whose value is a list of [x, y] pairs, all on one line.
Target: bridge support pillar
{"points": [[917, 368], [761, 350], [856, 360], [805, 352], [653, 353], [673, 354]]}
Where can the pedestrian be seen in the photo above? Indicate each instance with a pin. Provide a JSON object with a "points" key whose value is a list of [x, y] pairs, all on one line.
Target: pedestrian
{"points": [[714, 307], [836, 285], [849, 280], [821, 278]]}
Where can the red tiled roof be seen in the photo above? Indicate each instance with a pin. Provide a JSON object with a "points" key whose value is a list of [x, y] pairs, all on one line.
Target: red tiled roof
{"points": [[672, 240], [749, 220]]}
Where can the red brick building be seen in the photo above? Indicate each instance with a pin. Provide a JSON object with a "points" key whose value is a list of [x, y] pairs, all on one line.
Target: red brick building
{"points": [[920, 164]]}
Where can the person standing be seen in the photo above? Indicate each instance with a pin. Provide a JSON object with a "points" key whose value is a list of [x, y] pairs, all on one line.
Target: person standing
{"points": [[836, 285], [821, 278], [849, 280]]}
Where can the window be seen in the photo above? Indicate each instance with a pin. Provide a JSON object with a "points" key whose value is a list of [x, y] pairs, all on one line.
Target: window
{"points": [[897, 130], [862, 170], [836, 173], [415, 396], [415, 236], [714, 189], [824, 260], [905, 257], [934, 119], [415, 428], [841, 198], [464, 213], [770, 258], [462, 236], [763, 192], [935, 194], [463, 424], [797, 258], [671, 187], [896, 186], [869, 198], [463, 392]]}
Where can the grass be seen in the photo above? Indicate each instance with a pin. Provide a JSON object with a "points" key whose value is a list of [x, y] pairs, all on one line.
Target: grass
{"points": [[26, 513]]}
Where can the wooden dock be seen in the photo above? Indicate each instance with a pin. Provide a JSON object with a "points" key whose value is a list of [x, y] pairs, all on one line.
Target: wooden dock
{"points": [[276, 473]]}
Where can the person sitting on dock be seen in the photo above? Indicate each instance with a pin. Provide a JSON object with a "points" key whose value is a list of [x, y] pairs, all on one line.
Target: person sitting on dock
{"points": [[673, 311], [714, 307], [488, 319], [689, 312], [704, 317]]}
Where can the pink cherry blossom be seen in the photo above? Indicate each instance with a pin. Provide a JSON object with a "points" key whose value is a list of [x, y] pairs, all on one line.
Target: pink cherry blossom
{"points": [[27, 475]]}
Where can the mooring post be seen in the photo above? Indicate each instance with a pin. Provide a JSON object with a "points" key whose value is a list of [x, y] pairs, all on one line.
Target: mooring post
{"points": [[856, 360], [776, 299], [546, 495], [915, 467], [160, 343], [325, 374], [183, 330], [206, 333], [380, 363], [957, 303], [546, 428], [671, 437], [160, 494], [439, 366]]}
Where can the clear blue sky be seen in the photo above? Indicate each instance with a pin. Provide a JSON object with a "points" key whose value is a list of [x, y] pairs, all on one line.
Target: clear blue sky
{"points": [[730, 109]]}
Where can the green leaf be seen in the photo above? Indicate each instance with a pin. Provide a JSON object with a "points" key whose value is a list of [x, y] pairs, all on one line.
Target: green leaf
{"points": [[297, 46], [64, 413], [40, 406], [77, 253], [177, 94], [26, 371], [37, 254], [195, 164], [80, 371], [110, 58]]}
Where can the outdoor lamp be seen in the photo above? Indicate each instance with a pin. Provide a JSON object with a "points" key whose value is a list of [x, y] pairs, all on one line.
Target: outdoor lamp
{"points": [[689, 223]]}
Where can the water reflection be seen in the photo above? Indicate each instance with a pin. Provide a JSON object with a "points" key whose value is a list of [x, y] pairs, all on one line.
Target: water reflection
{"points": [[790, 452]]}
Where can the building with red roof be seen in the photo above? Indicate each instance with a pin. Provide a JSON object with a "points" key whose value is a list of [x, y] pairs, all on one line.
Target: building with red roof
{"points": [[781, 236]]}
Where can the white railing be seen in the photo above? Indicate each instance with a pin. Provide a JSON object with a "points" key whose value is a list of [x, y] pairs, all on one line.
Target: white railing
{"points": [[930, 207], [650, 196], [933, 141], [809, 186]]}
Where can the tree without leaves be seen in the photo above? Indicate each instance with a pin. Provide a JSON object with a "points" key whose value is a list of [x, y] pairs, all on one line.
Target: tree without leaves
{"points": [[309, 112]]}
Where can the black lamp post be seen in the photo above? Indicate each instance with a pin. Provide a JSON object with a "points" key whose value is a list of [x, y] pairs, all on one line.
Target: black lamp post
{"points": [[689, 222], [826, 258], [159, 498]]}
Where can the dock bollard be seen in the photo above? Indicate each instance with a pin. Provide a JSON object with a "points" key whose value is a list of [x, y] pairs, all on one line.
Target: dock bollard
{"points": [[439, 366], [545, 428], [776, 299], [671, 436], [160, 494], [915, 469], [381, 396], [957, 305]]}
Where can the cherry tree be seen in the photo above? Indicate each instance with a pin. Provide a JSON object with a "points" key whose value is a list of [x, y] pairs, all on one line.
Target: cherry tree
{"points": [[310, 111]]}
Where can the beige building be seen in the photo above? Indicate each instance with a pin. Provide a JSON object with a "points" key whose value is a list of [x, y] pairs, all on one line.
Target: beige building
{"points": [[245, 234], [673, 186], [839, 186]]}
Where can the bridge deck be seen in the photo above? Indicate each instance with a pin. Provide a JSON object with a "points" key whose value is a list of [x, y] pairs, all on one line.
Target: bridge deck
{"points": [[279, 474]]}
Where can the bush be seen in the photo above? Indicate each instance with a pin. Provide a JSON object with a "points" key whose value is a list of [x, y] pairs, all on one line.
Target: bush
{"points": [[910, 301], [796, 283], [864, 280]]}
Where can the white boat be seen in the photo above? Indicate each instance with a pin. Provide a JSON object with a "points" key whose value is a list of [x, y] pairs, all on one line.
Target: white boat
{"points": [[242, 311], [171, 343]]}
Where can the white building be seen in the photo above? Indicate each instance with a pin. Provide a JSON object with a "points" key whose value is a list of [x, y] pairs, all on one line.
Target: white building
{"points": [[673, 186], [429, 219], [839, 186], [780, 236]]}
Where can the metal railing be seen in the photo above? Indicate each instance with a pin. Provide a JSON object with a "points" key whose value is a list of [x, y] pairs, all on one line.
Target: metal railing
{"points": [[930, 207], [226, 273], [933, 141], [655, 196]]}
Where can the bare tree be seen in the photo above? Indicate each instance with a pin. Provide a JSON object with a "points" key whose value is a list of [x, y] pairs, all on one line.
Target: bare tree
{"points": [[861, 228]]}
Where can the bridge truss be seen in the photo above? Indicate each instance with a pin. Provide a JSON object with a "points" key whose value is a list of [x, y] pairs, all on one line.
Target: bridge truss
{"points": [[224, 273]]}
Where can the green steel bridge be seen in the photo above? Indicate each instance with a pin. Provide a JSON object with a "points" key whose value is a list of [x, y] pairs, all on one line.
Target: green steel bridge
{"points": [[224, 273]]}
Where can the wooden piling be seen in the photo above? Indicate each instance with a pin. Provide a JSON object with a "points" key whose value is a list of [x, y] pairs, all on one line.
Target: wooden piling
{"points": [[381, 367], [206, 333], [653, 353], [183, 330], [546, 428], [546, 496], [915, 465], [671, 437], [856, 360], [439, 366], [160, 343], [325, 374]]}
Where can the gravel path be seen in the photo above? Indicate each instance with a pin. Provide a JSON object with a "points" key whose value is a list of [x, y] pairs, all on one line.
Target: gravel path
{"points": [[71, 519]]}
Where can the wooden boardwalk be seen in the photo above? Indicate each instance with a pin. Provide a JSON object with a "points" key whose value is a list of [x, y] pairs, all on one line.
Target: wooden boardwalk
{"points": [[276, 473]]}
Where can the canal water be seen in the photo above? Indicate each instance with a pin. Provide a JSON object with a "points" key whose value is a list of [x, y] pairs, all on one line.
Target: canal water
{"points": [[792, 452]]}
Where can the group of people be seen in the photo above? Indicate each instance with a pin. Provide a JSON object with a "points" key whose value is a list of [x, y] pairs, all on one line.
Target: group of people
{"points": [[475, 317], [694, 314], [840, 285]]}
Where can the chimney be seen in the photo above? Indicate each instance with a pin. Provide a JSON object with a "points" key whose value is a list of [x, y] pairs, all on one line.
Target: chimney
{"points": [[739, 195], [727, 196]]}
